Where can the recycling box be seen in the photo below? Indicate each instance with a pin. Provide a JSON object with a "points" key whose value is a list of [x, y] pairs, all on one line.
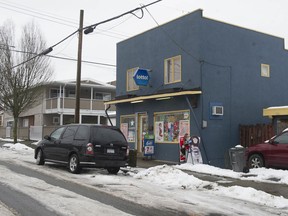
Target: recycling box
{"points": [[149, 145]]}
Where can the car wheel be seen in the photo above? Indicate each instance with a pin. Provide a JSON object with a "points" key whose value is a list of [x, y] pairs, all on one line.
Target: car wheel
{"points": [[256, 161], [113, 170], [40, 157], [73, 164]]}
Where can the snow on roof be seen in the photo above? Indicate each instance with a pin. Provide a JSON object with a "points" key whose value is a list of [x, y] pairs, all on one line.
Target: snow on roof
{"points": [[85, 81], [278, 107]]}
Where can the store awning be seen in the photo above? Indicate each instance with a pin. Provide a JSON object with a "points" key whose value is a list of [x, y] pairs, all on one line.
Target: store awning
{"points": [[275, 111], [155, 96]]}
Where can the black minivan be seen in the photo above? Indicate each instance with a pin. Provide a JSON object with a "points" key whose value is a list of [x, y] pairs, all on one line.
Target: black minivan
{"points": [[84, 145]]}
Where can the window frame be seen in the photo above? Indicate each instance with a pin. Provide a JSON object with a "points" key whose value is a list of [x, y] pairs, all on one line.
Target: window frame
{"points": [[128, 131], [267, 67], [104, 96], [167, 79], [163, 117], [58, 92]]}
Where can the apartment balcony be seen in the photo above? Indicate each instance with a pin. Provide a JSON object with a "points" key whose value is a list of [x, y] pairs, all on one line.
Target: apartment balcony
{"points": [[56, 105]]}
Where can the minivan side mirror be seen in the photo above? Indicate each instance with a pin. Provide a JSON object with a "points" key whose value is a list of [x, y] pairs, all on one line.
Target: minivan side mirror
{"points": [[47, 137]]}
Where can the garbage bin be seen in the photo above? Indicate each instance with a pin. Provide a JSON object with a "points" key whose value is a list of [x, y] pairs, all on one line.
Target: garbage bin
{"points": [[237, 159], [132, 160]]}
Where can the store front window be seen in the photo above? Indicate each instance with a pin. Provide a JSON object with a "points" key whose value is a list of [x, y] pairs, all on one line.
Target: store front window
{"points": [[127, 126], [282, 124], [169, 126]]}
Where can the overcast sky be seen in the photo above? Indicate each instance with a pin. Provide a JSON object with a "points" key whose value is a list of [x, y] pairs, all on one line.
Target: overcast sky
{"points": [[59, 18]]}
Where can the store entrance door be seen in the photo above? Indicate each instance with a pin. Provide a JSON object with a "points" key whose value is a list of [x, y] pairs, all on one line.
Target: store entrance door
{"points": [[142, 129]]}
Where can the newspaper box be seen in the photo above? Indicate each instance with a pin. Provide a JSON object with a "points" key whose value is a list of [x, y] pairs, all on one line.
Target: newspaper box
{"points": [[149, 144]]}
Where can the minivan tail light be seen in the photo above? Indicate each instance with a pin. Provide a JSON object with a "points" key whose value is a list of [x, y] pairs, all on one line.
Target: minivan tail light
{"points": [[89, 149]]}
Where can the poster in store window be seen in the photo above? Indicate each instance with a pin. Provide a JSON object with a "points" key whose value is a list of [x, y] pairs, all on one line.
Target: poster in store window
{"points": [[124, 129], [184, 127], [131, 136], [159, 131]]}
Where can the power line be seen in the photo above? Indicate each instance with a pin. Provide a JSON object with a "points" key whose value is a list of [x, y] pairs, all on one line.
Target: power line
{"points": [[38, 17], [88, 30], [62, 21], [84, 61], [183, 49], [66, 58], [171, 38], [33, 11]]}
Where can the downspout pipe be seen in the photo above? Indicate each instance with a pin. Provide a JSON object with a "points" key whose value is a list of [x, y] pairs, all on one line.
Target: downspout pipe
{"points": [[198, 127], [106, 112]]}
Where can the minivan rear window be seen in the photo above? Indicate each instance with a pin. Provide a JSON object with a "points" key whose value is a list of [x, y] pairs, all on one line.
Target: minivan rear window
{"points": [[82, 133], [106, 135]]}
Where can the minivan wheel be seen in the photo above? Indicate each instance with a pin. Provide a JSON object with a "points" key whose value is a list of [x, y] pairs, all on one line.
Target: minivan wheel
{"points": [[256, 161], [40, 157], [113, 170], [73, 164]]}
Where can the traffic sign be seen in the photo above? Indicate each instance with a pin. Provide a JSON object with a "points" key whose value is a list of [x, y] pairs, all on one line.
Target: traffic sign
{"points": [[141, 77]]}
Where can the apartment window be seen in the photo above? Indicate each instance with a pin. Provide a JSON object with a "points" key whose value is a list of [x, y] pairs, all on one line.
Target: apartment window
{"points": [[172, 70], [98, 96], [71, 93], [55, 93], [265, 70], [1, 120], [102, 96], [131, 85], [25, 122]]}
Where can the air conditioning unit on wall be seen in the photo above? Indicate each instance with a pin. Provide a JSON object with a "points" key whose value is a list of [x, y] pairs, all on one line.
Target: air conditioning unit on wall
{"points": [[217, 110]]}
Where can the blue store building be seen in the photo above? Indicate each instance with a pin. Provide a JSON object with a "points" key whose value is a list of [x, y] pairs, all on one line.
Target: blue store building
{"points": [[205, 78]]}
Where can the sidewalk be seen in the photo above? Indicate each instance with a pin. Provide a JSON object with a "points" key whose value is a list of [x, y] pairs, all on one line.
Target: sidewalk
{"points": [[144, 162], [271, 188]]}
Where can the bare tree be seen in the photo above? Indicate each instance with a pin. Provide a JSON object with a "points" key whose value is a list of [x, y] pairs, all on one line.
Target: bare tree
{"points": [[22, 74]]}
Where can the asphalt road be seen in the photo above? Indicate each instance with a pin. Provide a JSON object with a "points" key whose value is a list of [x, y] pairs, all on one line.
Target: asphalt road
{"points": [[22, 204], [27, 206]]}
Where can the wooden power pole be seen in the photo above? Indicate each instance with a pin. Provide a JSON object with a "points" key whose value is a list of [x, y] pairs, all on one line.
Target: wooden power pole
{"points": [[79, 61]]}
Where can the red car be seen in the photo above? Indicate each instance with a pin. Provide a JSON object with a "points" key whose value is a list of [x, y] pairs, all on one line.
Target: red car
{"points": [[272, 153]]}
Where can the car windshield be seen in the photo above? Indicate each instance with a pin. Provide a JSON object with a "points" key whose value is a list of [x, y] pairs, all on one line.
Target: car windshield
{"points": [[282, 139], [106, 135]]}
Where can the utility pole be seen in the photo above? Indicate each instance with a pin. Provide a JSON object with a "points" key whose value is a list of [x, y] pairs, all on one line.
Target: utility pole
{"points": [[79, 60]]}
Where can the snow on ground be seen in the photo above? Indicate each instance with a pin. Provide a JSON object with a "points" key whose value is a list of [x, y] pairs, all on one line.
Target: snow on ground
{"points": [[259, 175], [159, 186]]}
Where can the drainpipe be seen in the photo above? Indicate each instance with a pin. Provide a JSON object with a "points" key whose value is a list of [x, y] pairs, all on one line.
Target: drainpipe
{"points": [[106, 112], [198, 127]]}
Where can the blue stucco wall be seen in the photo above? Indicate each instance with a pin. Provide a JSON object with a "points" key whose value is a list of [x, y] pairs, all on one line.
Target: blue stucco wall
{"points": [[149, 50], [232, 75], [224, 61]]}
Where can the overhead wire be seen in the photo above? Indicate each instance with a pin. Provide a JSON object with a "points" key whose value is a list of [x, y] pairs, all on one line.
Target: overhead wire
{"points": [[171, 38], [66, 58], [39, 17], [51, 18], [89, 29], [45, 52], [201, 63], [183, 49]]}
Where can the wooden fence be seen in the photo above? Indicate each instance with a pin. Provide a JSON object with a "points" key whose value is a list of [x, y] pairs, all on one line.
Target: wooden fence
{"points": [[254, 134], [26, 133]]}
